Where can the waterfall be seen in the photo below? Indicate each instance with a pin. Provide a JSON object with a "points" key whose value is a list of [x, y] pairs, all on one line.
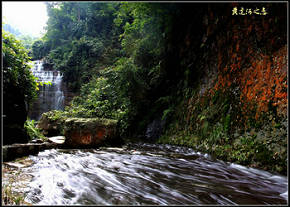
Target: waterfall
{"points": [[50, 97]]}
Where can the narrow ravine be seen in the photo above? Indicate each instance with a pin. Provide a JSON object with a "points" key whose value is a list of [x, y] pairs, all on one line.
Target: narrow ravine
{"points": [[188, 78]]}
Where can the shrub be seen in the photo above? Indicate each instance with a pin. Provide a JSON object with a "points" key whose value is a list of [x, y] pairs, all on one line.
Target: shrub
{"points": [[32, 131]]}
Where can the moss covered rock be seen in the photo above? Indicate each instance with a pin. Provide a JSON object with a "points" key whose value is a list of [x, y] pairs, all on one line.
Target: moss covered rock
{"points": [[84, 132], [80, 132], [51, 124]]}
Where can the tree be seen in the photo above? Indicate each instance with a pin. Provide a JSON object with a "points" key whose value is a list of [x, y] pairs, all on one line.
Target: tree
{"points": [[19, 89], [38, 50]]}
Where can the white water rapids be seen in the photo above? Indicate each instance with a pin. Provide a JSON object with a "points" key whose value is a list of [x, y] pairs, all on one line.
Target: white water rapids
{"points": [[147, 174]]}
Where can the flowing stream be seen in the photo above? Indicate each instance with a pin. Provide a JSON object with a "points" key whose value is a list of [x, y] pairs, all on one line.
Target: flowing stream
{"points": [[50, 97], [146, 174]]}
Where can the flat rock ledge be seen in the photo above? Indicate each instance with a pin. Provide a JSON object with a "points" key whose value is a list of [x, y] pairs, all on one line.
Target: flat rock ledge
{"points": [[11, 152]]}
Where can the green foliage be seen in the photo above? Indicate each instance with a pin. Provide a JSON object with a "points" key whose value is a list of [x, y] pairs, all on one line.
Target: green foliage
{"points": [[80, 61], [105, 96], [27, 41], [217, 134], [55, 115], [227, 123], [79, 39], [167, 113], [16, 68], [110, 53], [249, 149], [142, 38], [11, 198], [38, 50], [246, 150], [101, 101], [32, 131]]}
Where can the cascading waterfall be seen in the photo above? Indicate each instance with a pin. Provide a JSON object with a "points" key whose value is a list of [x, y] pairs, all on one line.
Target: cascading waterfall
{"points": [[50, 97]]}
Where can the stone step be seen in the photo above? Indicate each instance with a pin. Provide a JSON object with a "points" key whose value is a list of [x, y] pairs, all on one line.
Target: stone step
{"points": [[11, 152]]}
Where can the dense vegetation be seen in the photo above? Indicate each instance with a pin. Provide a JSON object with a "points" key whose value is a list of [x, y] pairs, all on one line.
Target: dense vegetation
{"points": [[217, 81], [19, 88], [113, 51]]}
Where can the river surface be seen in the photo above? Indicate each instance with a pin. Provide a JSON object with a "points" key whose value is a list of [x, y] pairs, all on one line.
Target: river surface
{"points": [[146, 174]]}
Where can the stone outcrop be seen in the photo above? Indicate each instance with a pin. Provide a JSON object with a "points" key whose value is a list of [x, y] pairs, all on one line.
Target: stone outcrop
{"points": [[11, 152], [81, 132], [84, 132], [50, 126]]}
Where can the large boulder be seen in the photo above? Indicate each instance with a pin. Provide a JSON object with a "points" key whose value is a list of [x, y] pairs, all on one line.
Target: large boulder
{"points": [[89, 132], [50, 124], [80, 132]]}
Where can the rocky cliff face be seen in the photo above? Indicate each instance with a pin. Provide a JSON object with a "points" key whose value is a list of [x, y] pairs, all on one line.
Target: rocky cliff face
{"points": [[234, 84], [245, 60]]}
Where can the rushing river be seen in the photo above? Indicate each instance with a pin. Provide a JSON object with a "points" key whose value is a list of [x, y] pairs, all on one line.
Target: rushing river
{"points": [[144, 174]]}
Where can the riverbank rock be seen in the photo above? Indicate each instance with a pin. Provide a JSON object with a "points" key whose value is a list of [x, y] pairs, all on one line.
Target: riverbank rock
{"points": [[50, 125], [11, 152], [36, 141], [89, 132], [57, 139], [80, 132]]}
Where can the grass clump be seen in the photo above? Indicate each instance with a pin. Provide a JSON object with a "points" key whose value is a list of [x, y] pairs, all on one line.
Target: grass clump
{"points": [[32, 131], [10, 198]]}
